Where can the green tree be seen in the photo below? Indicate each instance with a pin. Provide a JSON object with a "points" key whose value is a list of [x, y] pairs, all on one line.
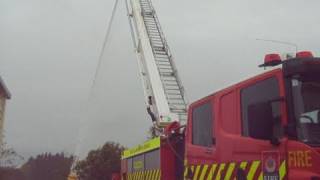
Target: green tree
{"points": [[48, 166], [8, 156], [100, 163], [8, 160], [11, 173]]}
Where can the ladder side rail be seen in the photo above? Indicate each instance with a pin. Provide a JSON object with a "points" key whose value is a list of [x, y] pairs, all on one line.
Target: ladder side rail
{"points": [[167, 49], [145, 81], [131, 25], [177, 109], [147, 56]]}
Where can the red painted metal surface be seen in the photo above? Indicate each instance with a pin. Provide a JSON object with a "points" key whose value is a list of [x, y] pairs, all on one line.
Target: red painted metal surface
{"points": [[232, 151], [115, 176], [168, 163]]}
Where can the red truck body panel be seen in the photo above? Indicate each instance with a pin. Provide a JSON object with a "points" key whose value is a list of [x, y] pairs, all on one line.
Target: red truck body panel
{"points": [[230, 153]]}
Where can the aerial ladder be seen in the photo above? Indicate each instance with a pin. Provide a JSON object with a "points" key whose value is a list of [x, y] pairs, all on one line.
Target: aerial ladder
{"points": [[164, 94]]}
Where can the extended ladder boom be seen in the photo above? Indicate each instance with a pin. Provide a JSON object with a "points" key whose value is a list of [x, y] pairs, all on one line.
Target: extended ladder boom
{"points": [[164, 94]]}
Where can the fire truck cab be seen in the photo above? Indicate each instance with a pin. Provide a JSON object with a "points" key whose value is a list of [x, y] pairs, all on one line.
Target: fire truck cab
{"points": [[266, 127]]}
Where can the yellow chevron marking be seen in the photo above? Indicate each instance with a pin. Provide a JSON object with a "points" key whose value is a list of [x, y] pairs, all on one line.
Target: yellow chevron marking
{"points": [[153, 174], [221, 168], [143, 176], [243, 165], [185, 162], [149, 176], [282, 170], [192, 169], [156, 174], [212, 170], [195, 177], [138, 175], [260, 176], [229, 171], [253, 170], [146, 174], [203, 172], [185, 171]]}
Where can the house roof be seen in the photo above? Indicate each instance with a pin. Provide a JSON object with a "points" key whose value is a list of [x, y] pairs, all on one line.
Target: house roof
{"points": [[4, 88]]}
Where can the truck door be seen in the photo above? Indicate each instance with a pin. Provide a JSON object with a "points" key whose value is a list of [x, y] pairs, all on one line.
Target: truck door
{"points": [[263, 112], [200, 142]]}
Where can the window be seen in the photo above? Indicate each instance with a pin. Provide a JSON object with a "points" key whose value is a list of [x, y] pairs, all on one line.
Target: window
{"points": [[202, 125], [256, 122]]}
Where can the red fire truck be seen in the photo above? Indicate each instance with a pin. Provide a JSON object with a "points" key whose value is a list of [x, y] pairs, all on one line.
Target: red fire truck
{"points": [[265, 128]]}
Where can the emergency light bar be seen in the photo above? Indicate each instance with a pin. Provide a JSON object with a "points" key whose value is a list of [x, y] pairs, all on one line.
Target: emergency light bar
{"points": [[271, 60], [304, 54]]}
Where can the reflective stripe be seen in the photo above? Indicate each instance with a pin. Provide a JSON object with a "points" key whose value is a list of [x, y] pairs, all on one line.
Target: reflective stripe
{"points": [[195, 177], [148, 174], [282, 170], [230, 171], [134, 176], [192, 170], [218, 177], [159, 174], [243, 165], [260, 176], [147, 146], [212, 170], [203, 172], [154, 174], [185, 168], [253, 170]]}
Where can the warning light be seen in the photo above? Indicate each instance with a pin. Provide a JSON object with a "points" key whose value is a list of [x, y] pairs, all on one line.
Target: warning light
{"points": [[304, 54], [271, 60]]}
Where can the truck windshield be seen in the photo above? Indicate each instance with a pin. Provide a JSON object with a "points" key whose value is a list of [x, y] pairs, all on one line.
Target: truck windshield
{"points": [[306, 98]]}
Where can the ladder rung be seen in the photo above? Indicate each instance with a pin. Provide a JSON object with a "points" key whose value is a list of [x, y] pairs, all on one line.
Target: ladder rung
{"points": [[178, 104], [173, 83], [179, 99], [178, 109], [162, 56], [163, 63], [165, 68], [167, 88], [162, 60]]}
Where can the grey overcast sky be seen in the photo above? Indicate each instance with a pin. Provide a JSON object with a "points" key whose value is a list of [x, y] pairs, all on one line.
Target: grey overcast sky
{"points": [[49, 50]]}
